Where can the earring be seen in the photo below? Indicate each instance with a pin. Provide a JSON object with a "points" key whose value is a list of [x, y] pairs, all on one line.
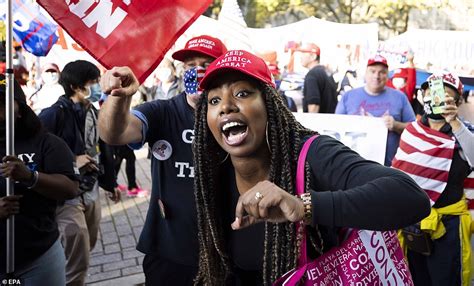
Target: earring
{"points": [[266, 138], [225, 158]]}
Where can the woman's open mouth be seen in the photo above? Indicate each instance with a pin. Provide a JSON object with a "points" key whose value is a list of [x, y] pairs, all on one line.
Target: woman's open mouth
{"points": [[234, 133]]}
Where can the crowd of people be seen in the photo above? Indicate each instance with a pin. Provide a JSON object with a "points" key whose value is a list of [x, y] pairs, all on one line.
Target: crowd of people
{"points": [[223, 148]]}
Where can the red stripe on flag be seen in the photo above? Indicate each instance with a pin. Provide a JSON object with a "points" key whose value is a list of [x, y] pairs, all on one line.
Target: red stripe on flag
{"points": [[425, 138], [470, 204], [434, 196], [421, 171], [433, 132], [445, 153], [469, 183]]}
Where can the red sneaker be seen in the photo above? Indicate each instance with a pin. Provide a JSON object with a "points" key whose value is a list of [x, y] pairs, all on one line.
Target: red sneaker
{"points": [[137, 192]]}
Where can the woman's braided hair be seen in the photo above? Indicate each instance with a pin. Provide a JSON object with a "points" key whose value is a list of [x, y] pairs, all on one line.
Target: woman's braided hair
{"points": [[285, 136]]}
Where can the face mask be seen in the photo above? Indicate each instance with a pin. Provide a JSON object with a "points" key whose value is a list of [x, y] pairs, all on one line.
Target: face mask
{"points": [[50, 77], [429, 110], [192, 78], [94, 92], [164, 74], [398, 82]]}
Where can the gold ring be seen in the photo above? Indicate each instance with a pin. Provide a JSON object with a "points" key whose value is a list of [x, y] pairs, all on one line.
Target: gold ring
{"points": [[258, 196]]}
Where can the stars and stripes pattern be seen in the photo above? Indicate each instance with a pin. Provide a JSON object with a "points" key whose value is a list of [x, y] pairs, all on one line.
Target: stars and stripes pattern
{"points": [[426, 156], [192, 78]]}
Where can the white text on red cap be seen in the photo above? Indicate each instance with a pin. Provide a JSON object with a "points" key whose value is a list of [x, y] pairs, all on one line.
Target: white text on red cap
{"points": [[205, 43], [233, 59]]}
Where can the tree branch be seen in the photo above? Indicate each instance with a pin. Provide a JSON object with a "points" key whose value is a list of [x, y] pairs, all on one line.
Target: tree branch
{"points": [[328, 5]]}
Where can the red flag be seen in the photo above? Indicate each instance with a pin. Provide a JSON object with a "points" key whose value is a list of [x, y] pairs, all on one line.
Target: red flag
{"points": [[136, 33]]}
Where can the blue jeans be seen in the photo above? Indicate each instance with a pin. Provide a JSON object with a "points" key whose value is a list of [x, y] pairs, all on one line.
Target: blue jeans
{"points": [[48, 269]]}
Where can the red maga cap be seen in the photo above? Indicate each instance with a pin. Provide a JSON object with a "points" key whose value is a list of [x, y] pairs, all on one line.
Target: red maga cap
{"points": [[204, 45], [377, 59], [238, 60]]}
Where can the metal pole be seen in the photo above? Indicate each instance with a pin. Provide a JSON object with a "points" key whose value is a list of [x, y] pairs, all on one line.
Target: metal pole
{"points": [[10, 134]]}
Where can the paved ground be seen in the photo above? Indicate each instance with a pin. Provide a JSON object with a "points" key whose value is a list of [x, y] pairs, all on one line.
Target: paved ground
{"points": [[114, 260]]}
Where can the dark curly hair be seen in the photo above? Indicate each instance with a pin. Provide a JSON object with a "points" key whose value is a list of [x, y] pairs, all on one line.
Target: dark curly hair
{"points": [[285, 137]]}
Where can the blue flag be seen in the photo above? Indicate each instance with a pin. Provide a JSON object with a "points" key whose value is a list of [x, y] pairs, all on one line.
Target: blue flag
{"points": [[32, 29]]}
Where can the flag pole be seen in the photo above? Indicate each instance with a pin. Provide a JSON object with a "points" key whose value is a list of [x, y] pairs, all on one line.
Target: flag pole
{"points": [[9, 106]]}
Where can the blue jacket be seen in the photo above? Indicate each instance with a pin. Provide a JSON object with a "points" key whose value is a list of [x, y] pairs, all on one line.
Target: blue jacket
{"points": [[65, 119]]}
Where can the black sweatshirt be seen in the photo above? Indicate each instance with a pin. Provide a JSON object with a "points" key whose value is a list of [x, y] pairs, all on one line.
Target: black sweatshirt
{"points": [[346, 191]]}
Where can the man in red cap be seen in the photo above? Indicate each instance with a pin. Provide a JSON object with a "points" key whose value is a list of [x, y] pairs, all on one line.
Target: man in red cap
{"points": [[320, 89], [377, 100], [169, 237]]}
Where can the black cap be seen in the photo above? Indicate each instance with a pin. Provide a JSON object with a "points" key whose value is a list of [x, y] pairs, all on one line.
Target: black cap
{"points": [[19, 95]]}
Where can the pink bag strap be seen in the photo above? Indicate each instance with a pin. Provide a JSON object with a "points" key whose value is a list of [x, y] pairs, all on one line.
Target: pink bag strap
{"points": [[300, 185]]}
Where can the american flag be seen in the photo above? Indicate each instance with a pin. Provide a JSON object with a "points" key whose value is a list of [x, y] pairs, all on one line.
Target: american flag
{"points": [[426, 156], [192, 78]]}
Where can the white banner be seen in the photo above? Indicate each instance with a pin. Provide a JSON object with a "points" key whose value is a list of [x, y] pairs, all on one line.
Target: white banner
{"points": [[339, 43], [452, 50], [365, 135]]}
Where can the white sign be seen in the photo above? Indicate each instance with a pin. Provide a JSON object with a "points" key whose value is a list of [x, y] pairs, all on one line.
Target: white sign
{"points": [[452, 50], [365, 135]]}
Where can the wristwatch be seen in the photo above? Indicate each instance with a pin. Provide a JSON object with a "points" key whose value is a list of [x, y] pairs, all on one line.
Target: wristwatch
{"points": [[308, 208]]}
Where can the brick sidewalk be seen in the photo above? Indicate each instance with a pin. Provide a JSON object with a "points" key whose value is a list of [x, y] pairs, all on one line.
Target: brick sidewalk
{"points": [[114, 260]]}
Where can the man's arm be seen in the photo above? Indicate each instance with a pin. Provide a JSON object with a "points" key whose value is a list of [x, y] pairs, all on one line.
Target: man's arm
{"points": [[393, 125], [116, 125], [398, 126], [407, 116]]}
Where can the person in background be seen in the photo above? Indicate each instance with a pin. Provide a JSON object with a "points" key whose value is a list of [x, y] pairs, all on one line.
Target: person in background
{"points": [[404, 79], [246, 149], [319, 91], [290, 103], [169, 237], [125, 152], [50, 89], [43, 172], [165, 83], [438, 153], [74, 119], [377, 100]]}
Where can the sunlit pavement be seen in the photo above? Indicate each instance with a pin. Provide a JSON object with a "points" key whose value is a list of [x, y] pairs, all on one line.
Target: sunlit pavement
{"points": [[114, 260]]}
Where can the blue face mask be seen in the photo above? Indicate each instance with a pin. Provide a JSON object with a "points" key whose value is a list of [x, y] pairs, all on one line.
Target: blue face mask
{"points": [[95, 93]]}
